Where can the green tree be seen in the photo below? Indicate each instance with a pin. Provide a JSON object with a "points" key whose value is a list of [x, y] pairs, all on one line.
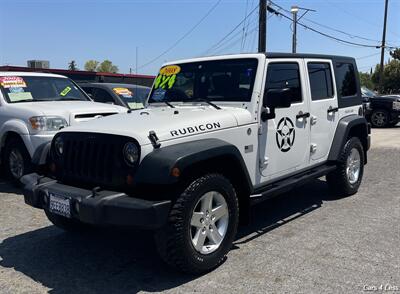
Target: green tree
{"points": [[91, 65], [395, 53], [72, 65], [391, 76], [366, 81], [107, 66]]}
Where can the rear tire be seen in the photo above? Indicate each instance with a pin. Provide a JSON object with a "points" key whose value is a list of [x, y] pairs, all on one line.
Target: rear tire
{"points": [[16, 160], [201, 227], [66, 224], [346, 178]]}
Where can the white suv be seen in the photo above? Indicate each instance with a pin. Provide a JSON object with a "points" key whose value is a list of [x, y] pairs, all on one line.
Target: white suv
{"points": [[33, 107], [219, 135]]}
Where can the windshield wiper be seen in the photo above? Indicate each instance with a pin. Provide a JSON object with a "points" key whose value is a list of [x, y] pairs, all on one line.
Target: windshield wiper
{"points": [[70, 98], [207, 101], [169, 104]]}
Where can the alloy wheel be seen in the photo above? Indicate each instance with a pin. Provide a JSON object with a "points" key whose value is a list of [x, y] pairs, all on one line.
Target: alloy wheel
{"points": [[209, 222]]}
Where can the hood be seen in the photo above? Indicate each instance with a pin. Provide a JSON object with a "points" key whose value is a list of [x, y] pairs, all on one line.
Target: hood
{"points": [[385, 98], [167, 123], [72, 111]]}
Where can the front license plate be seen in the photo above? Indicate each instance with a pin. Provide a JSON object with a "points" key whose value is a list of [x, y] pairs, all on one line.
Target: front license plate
{"points": [[60, 205]]}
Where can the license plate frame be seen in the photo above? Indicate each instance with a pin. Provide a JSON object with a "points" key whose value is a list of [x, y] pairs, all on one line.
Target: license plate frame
{"points": [[60, 205]]}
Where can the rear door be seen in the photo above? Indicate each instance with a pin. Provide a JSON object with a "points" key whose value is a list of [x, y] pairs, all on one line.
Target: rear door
{"points": [[285, 140], [323, 107]]}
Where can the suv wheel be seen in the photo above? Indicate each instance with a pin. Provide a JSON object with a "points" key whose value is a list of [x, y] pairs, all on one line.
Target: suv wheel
{"points": [[16, 159], [201, 226], [346, 179], [380, 118]]}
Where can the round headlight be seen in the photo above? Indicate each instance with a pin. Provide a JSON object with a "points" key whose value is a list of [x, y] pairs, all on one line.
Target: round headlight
{"points": [[59, 146], [131, 153]]}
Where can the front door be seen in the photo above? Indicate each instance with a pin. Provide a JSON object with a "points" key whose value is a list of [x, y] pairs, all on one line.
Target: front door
{"points": [[285, 140], [323, 107]]}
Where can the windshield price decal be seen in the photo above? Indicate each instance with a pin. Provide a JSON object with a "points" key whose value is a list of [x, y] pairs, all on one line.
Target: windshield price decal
{"points": [[123, 92], [12, 82], [65, 91], [167, 77]]}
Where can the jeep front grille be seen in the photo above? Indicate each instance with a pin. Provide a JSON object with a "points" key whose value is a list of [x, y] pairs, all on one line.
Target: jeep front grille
{"points": [[92, 159]]}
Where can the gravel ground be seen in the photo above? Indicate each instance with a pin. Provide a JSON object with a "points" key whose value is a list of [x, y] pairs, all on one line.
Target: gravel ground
{"points": [[305, 241]]}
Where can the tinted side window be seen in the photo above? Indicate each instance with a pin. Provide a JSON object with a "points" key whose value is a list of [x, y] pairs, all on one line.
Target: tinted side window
{"points": [[87, 90], [102, 96], [320, 80], [284, 75], [346, 79]]}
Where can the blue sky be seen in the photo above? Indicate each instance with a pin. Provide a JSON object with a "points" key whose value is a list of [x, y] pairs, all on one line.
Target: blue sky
{"points": [[65, 30]]}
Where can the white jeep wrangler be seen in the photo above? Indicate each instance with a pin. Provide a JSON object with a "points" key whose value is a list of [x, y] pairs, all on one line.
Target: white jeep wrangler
{"points": [[33, 107], [218, 135]]}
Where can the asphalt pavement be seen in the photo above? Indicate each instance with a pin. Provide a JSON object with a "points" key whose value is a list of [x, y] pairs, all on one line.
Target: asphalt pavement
{"points": [[306, 241]]}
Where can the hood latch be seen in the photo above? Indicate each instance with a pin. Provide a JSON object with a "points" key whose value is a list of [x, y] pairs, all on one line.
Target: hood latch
{"points": [[154, 139]]}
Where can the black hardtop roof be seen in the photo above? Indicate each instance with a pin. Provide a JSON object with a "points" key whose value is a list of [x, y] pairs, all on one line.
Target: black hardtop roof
{"points": [[306, 55]]}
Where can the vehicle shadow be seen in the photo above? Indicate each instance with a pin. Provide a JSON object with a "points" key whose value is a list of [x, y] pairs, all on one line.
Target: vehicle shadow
{"points": [[7, 187], [126, 260]]}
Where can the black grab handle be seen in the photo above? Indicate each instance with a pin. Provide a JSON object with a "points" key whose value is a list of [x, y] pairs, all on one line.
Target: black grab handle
{"points": [[336, 109], [303, 115]]}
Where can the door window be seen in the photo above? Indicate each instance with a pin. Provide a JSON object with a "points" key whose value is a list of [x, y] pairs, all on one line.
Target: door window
{"points": [[88, 90], [101, 95], [320, 80], [285, 75], [346, 79]]}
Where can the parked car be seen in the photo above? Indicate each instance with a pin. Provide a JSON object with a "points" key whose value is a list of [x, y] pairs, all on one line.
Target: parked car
{"points": [[127, 95], [219, 134], [381, 111], [33, 107]]}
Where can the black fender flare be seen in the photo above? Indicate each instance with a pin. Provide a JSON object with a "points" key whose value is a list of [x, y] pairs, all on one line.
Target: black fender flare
{"points": [[156, 166], [343, 130]]}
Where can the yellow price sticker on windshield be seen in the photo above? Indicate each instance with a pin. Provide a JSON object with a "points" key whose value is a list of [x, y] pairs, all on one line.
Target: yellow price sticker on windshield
{"points": [[65, 91], [170, 70]]}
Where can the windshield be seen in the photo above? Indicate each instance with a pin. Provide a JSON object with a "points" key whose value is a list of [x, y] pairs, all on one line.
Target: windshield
{"points": [[367, 92], [134, 97], [220, 80], [38, 88]]}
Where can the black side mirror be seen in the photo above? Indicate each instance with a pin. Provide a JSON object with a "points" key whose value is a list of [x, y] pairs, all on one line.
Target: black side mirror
{"points": [[278, 98]]}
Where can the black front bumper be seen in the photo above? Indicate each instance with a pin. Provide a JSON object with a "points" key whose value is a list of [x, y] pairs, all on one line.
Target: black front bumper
{"points": [[97, 207]]}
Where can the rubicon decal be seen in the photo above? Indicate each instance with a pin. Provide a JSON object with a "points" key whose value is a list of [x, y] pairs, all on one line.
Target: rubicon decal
{"points": [[196, 129]]}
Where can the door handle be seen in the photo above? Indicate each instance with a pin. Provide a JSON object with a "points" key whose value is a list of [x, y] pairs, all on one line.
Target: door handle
{"points": [[333, 109], [302, 115]]}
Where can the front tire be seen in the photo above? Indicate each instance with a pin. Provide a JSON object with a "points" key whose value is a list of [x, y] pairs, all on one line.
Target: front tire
{"points": [[16, 159], [346, 178], [201, 227], [380, 118]]}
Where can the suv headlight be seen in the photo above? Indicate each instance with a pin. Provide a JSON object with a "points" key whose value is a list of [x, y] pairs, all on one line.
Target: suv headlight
{"points": [[396, 105], [59, 146], [47, 123], [131, 153]]}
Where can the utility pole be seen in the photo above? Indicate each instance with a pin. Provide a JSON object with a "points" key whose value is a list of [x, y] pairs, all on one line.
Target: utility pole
{"points": [[383, 48], [294, 10], [262, 26]]}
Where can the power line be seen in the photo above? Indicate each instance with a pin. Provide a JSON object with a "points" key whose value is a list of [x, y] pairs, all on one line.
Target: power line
{"points": [[334, 29], [358, 17], [215, 48], [234, 29], [244, 24], [183, 37], [324, 34], [367, 56]]}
